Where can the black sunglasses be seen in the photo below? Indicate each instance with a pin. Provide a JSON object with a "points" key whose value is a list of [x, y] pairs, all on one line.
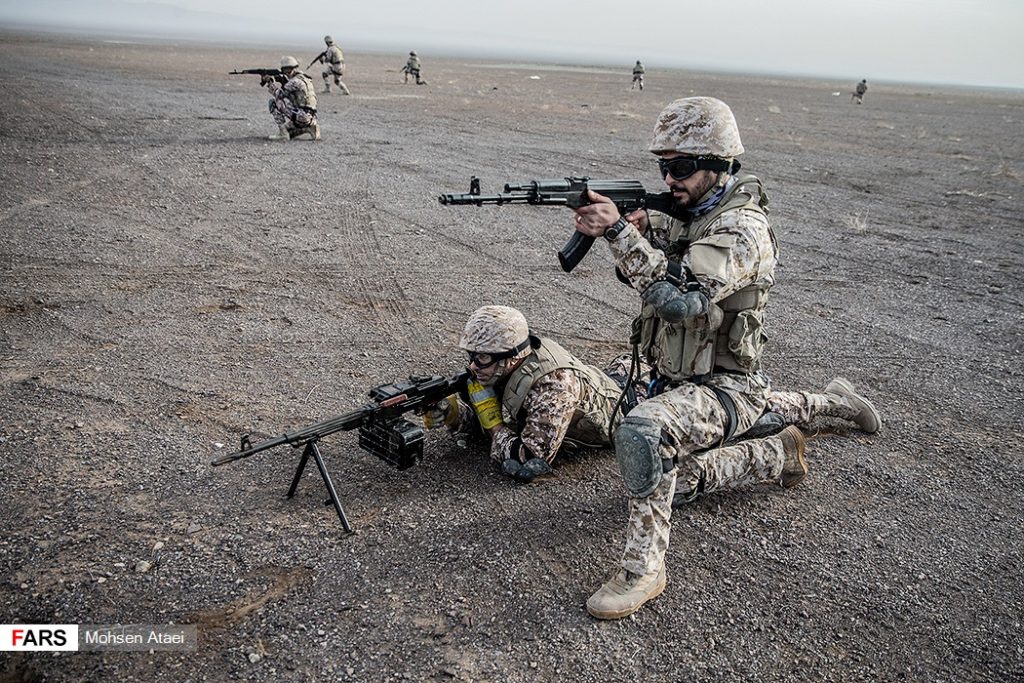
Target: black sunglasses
{"points": [[682, 168]]}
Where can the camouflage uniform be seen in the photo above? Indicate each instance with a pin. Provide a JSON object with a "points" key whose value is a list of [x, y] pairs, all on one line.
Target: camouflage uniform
{"points": [[412, 68], [692, 418], [801, 407], [638, 75], [565, 405], [335, 61], [708, 363], [293, 105]]}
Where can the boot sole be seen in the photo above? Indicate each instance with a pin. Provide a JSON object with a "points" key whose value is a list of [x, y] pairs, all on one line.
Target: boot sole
{"points": [[618, 614]]}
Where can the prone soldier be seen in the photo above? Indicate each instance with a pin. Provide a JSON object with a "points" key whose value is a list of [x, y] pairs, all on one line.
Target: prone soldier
{"points": [[531, 396]]}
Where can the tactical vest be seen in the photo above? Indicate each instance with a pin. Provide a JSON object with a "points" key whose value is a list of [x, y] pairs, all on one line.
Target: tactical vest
{"points": [[334, 55], [303, 93], [585, 428], [730, 336]]}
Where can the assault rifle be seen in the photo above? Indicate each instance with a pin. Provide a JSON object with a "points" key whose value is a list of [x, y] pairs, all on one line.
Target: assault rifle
{"points": [[382, 430], [322, 55], [628, 195], [273, 73]]}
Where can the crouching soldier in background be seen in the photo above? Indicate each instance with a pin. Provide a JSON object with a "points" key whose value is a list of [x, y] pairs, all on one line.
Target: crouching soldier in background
{"points": [[412, 68], [293, 105]]}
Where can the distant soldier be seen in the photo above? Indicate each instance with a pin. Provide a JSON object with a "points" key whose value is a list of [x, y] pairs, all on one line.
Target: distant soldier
{"points": [[293, 105], [638, 76], [412, 68], [858, 92], [335, 61]]}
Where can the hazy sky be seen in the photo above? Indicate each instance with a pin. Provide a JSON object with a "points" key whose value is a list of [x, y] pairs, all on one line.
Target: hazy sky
{"points": [[973, 42]]}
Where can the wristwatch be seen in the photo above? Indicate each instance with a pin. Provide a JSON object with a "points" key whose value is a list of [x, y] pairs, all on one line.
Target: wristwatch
{"points": [[616, 228]]}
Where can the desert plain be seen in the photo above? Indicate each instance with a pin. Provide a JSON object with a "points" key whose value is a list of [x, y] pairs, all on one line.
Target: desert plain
{"points": [[170, 280]]}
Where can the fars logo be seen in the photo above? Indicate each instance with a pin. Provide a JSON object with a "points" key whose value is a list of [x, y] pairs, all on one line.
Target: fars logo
{"points": [[39, 637]]}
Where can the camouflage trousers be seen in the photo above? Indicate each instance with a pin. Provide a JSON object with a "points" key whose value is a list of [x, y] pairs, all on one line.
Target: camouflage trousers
{"points": [[693, 423], [288, 115], [335, 70], [801, 407]]}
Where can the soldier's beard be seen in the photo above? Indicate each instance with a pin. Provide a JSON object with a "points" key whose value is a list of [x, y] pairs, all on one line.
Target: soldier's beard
{"points": [[690, 200]]}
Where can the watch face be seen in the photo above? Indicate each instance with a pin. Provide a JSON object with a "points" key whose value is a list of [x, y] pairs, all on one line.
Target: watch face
{"points": [[616, 228]]}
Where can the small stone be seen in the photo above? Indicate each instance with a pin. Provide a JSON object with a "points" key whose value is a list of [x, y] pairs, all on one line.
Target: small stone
{"points": [[255, 657], [194, 527], [143, 566], [158, 545], [102, 579]]}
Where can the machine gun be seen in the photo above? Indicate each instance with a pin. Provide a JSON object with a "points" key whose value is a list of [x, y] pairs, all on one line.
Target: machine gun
{"points": [[272, 73], [628, 195], [382, 430]]}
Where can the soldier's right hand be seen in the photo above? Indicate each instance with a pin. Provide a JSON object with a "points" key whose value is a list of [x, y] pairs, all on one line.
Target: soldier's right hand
{"points": [[444, 413], [640, 219], [264, 79]]}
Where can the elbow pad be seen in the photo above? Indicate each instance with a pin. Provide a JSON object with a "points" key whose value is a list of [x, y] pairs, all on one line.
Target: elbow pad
{"points": [[674, 305]]}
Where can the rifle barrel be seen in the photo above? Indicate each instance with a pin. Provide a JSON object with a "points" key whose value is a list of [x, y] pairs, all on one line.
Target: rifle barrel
{"points": [[481, 199], [302, 436]]}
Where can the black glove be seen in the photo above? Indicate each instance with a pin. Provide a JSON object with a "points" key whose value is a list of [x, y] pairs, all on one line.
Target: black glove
{"points": [[672, 304], [533, 468]]}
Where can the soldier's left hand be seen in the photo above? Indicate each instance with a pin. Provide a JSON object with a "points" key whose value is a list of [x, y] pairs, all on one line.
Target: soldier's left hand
{"points": [[593, 219], [533, 468]]}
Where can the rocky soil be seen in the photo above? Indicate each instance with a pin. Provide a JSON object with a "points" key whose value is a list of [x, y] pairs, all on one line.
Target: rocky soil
{"points": [[169, 280]]}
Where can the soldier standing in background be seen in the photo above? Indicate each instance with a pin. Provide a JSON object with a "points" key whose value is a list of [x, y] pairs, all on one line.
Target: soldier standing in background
{"points": [[293, 105], [412, 68], [335, 61], [858, 92], [638, 76]]}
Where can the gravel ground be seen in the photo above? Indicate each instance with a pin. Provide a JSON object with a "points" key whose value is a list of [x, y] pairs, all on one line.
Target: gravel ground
{"points": [[170, 280]]}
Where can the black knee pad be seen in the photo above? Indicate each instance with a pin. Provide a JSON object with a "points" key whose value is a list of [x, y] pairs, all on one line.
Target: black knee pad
{"points": [[636, 448]]}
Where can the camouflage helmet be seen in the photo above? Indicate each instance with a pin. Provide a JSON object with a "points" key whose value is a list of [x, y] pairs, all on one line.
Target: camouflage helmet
{"points": [[328, 40], [289, 62], [697, 126], [495, 330]]}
